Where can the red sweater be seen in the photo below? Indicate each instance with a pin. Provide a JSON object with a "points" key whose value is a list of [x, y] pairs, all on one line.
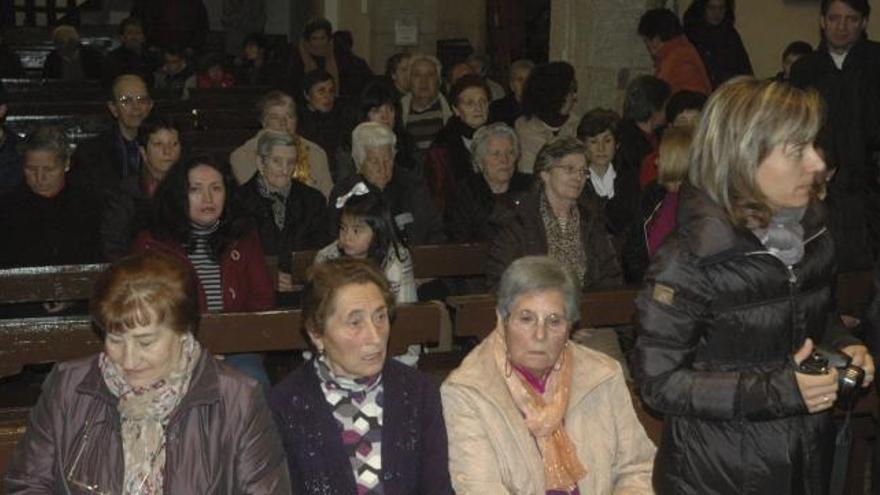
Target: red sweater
{"points": [[244, 278]]}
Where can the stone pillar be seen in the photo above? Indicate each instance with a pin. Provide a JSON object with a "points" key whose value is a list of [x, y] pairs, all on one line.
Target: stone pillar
{"points": [[599, 38]]}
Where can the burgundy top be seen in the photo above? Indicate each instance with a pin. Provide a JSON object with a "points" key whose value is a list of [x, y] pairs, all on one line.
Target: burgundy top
{"points": [[663, 222]]}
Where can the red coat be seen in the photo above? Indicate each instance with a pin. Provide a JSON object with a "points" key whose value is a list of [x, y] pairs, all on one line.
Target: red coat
{"points": [[244, 278], [679, 64]]}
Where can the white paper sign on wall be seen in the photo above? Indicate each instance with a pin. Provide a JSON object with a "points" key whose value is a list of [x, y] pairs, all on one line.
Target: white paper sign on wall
{"points": [[406, 30]]}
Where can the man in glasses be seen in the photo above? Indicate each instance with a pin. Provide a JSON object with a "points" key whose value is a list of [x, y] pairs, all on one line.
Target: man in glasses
{"points": [[102, 161]]}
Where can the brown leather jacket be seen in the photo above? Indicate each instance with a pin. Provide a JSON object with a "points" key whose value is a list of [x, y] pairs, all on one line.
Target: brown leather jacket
{"points": [[220, 439]]}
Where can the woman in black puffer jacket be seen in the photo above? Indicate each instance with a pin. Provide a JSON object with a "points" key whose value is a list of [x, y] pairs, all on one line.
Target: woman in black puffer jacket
{"points": [[736, 299]]}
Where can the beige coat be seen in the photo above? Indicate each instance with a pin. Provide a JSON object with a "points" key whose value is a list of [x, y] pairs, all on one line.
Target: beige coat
{"points": [[244, 164], [492, 452], [534, 133]]}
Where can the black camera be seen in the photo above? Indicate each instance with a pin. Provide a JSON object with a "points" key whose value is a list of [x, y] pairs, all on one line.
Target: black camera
{"points": [[850, 377]]}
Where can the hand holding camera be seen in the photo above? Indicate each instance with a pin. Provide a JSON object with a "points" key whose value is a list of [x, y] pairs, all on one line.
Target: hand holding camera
{"points": [[819, 391], [847, 371]]}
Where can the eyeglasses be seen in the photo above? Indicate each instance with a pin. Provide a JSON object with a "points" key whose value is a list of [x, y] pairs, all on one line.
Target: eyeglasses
{"points": [[90, 488], [95, 488], [572, 170], [529, 321], [127, 100]]}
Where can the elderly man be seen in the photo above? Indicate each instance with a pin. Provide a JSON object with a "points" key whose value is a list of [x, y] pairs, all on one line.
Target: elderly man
{"points": [[845, 69], [424, 110], [676, 61], [101, 162]]}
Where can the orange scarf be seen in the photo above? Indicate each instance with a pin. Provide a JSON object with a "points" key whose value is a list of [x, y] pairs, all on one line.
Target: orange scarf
{"points": [[544, 415]]}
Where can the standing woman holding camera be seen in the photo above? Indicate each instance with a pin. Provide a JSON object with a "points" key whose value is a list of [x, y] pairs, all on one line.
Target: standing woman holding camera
{"points": [[738, 298]]}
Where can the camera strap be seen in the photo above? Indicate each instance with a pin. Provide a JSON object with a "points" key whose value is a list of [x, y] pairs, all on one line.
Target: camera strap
{"points": [[842, 445]]}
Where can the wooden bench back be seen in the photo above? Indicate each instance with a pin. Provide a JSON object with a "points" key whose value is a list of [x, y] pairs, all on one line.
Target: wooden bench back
{"points": [[429, 261], [63, 282], [475, 314], [26, 341]]}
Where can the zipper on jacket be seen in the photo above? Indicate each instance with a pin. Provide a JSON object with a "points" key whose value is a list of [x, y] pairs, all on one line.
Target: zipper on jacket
{"points": [[792, 276]]}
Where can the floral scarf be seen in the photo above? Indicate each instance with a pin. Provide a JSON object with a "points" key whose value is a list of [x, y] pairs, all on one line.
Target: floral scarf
{"points": [[144, 414], [544, 414]]}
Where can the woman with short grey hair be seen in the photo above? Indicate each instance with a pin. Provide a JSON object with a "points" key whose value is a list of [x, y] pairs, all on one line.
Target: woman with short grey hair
{"points": [[373, 147], [553, 219], [277, 113], [495, 149], [518, 421], [290, 215]]}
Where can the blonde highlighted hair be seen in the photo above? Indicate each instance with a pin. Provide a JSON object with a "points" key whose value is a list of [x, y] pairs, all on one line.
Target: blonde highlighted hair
{"points": [[744, 120]]}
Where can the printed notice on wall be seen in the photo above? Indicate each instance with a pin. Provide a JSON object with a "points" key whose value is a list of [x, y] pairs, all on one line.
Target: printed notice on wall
{"points": [[406, 30]]}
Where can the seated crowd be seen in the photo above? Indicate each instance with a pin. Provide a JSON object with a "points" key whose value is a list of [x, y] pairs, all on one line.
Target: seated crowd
{"points": [[706, 191]]}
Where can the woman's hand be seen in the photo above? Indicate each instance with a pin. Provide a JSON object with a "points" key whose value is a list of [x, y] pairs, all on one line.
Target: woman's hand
{"points": [[861, 358], [818, 391]]}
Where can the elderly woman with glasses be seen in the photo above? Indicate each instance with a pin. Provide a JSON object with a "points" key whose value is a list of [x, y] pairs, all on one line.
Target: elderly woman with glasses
{"points": [[553, 219], [353, 421], [153, 412], [278, 114], [495, 151], [529, 411]]}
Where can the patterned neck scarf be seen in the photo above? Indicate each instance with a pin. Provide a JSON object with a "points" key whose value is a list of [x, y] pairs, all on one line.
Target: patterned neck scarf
{"points": [[543, 414], [144, 414], [564, 243], [278, 198], [358, 406]]}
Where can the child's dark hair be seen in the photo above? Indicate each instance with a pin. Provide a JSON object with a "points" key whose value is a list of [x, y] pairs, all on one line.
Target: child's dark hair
{"points": [[376, 213]]}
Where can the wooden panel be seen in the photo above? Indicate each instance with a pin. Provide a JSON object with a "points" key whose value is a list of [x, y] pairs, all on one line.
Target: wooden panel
{"points": [[475, 314], [300, 262], [449, 260], [429, 261], [44, 340], [63, 282], [48, 283]]}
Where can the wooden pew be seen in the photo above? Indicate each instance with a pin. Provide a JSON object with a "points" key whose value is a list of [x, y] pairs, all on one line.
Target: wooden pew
{"points": [[429, 261], [62, 282], [26, 341], [39, 340], [475, 314]]}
